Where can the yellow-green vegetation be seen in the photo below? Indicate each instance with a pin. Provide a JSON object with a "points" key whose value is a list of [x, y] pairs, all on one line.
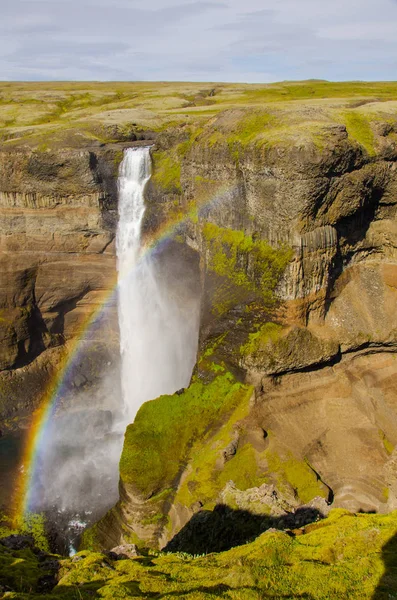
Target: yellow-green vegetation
{"points": [[344, 556], [250, 127], [243, 262], [297, 474], [32, 524], [258, 340], [208, 472], [240, 130], [89, 538], [166, 172], [358, 127], [157, 445], [47, 114], [19, 571]]}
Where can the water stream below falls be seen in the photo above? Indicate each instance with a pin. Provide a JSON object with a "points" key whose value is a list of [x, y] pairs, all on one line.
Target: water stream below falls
{"points": [[158, 314]]}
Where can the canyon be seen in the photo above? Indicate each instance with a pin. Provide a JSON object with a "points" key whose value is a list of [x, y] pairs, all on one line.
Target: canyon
{"points": [[279, 205]]}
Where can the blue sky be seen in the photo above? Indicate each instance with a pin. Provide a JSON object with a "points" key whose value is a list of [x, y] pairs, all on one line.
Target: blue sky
{"points": [[202, 40]]}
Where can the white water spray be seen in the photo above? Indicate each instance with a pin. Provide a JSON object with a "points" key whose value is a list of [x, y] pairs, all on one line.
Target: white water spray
{"points": [[158, 333]]}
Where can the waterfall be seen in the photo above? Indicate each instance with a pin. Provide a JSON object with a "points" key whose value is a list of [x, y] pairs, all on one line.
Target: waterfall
{"points": [[158, 334], [76, 478]]}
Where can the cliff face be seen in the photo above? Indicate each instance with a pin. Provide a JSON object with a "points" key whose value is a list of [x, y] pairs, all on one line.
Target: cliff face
{"points": [[57, 217], [317, 346], [292, 213]]}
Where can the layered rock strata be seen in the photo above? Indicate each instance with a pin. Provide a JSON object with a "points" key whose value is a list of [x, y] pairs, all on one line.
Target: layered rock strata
{"points": [[321, 360], [297, 371], [57, 220]]}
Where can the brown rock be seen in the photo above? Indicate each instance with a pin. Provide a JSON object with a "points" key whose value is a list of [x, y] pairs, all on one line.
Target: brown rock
{"points": [[124, 551]]}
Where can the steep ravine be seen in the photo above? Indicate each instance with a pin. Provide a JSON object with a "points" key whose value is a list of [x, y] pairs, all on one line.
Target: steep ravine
{"points": [[319, 419], [294, 389]]}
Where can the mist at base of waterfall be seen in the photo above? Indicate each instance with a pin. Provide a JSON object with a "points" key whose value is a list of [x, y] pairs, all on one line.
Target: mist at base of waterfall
{"points": [[77, 468]]}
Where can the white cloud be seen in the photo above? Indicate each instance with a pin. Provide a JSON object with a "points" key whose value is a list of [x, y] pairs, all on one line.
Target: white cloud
{"points": [[225, 40]]}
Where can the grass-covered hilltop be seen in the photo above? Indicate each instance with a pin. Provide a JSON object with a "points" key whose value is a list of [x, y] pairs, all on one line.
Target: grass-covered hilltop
{"points": [[41, 113], [273, 474]]}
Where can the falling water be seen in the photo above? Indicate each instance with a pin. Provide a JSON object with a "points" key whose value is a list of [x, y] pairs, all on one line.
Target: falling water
{"points": [[158, 335], [158, 314]]}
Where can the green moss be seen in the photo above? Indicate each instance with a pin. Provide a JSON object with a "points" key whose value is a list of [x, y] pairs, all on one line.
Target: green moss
{"points": [[208, 472], [243, 262], [157, 445], [118, 157], [358, 128], [166, 172], [269, 332], [154, 519], [89, 539], [297, 474], [184, 147], [35, 525], [19, 570], [32, 524], [343, 556]]}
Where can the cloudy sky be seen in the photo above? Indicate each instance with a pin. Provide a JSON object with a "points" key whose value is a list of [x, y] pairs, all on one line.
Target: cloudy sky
{"points": [[198, 40]]}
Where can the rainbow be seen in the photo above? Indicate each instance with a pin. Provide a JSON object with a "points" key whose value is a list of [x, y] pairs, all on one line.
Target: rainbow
{"points": [[47, 404]]}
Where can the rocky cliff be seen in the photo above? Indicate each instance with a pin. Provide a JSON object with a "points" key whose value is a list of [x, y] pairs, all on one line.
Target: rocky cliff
{"points": [[301, 361], [291, 210], [58, 213]]}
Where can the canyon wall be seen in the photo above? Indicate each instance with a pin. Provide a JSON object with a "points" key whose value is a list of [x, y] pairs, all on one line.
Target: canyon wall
{"points": [[292, 397], [58, 212], [305, 362]]}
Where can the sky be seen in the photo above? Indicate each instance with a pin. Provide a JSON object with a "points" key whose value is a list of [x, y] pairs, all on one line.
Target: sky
{"points": [[198, 40]]}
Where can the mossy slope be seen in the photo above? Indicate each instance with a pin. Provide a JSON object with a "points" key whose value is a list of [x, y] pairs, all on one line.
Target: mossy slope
{"points": [[159, 442], [344, 556]]}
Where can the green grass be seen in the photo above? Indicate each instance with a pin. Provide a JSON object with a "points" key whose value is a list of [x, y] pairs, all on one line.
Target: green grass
{"points": [[344, 556], [358, 127], [54, 112], [250, 129], [319, 90]]}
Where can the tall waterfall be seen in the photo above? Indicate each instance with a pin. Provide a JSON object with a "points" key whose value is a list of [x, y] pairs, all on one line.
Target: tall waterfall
{"points": [[158, 331], [76, 479]]}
